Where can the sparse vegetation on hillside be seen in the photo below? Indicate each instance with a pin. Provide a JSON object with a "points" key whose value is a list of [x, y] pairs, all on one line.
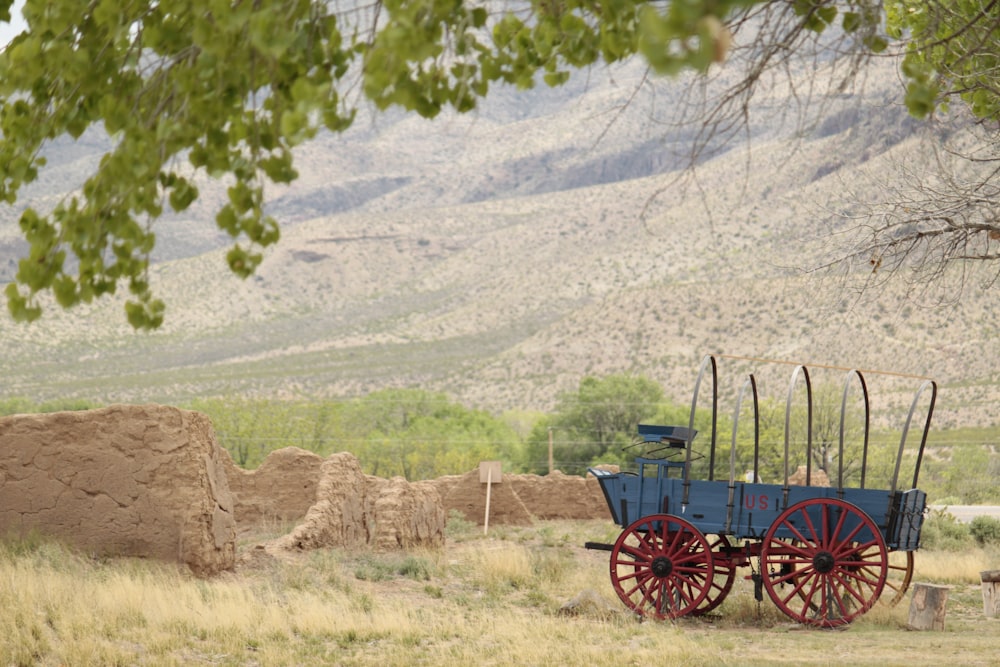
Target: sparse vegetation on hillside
{"points": [[509, 301]]}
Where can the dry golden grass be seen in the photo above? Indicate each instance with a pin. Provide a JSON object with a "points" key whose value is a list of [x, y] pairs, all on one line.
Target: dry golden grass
{"points": [[482, 600], [953, 567]]}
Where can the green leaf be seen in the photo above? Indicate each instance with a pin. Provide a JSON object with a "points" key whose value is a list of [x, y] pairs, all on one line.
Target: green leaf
{"points": [[228, 221], [554, 79], [876, 43], [851, 21], [243, 197], [242, 262], [827, 14], [64, 289], [19, 308], [921, 98], [145, 314], [279, 168]]}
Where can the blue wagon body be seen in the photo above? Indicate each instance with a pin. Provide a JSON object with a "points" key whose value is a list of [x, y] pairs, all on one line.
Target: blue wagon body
{"points": [[824, 554], [751, 509]]}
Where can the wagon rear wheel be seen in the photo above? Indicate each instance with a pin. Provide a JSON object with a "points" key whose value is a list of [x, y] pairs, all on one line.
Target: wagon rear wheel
{"points": [[898, 576], [899, 572], [661, 566], [825, 562]]}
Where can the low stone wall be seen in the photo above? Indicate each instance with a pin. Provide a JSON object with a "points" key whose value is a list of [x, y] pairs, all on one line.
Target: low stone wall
{"points": [[127, 480], [817, 477]]}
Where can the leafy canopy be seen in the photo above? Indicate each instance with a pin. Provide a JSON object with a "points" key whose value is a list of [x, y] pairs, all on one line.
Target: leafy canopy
{"points": [[228, 88], [952, 51]]}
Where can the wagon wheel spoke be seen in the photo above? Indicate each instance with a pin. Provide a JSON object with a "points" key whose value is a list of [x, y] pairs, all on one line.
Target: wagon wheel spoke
{"points": [[661, 566], [898, 576], [833, 556], [722, 578], [798, 580]]}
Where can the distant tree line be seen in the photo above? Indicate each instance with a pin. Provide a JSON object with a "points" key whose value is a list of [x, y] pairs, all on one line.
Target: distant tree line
{"points": [[419, 434]]}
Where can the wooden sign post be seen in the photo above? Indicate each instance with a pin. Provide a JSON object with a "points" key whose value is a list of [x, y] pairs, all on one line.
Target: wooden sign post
{"points": [[490, 473]]}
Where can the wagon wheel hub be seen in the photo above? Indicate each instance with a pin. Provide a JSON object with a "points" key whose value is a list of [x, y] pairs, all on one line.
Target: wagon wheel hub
{"points": [[824, 562], [661, 566]]}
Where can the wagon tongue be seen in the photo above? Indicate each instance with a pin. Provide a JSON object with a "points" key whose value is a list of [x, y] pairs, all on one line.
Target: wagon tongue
{"points": [[599, 546]]}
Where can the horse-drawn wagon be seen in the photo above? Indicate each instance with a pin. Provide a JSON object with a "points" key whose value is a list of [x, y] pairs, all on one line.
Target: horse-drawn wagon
{"points": [[823, 554]]}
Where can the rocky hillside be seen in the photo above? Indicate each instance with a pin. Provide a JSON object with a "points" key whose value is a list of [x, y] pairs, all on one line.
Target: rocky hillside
{"points": [[503, 255]]}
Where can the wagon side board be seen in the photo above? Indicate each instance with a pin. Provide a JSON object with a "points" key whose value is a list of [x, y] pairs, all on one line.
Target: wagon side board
{"points": [[754, 507]]}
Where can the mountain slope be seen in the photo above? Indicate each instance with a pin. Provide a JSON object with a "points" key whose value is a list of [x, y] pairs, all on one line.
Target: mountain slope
{"points": [[503, 256]]}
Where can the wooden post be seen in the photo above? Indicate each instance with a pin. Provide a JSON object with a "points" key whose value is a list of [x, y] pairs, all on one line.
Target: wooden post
{"points": [[489, 490], [927, 607], [490, 473], [550, 450], [991, 593]]}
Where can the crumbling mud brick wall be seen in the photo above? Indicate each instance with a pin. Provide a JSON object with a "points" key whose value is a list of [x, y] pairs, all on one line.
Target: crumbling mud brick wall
{"points": [[560, 496], [518, 500], [127, 480], [281, 489], [467, 494], [355, 510]]}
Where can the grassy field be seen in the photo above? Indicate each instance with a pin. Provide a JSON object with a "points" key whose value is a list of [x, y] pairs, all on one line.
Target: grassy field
{"points": [[484, 600]]}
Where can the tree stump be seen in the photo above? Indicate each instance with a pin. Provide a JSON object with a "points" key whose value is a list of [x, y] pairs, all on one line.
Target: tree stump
{"points": [[927, 607], [991, 593]]}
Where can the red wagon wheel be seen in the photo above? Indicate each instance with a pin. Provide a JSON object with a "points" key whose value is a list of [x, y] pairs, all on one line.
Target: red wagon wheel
{"points": [[661, 566], [824, 562], [724, 574]]}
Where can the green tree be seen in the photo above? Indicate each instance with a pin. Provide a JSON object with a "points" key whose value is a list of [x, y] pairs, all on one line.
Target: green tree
{"points": [[421, 435], [407, 432], [595, 424], [827, 405], [825, 424], [250, 429], [770, 456], [229, 88], [971, 474], [16, 405]]}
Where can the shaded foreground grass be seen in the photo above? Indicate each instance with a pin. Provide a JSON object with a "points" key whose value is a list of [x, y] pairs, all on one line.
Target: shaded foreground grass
{"points": [[482, 600]]}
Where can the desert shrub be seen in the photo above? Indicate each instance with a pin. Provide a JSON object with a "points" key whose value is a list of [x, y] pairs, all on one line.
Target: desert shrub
{"points": [[458, 528], [943, 531], [985, 530], [389, 566]]}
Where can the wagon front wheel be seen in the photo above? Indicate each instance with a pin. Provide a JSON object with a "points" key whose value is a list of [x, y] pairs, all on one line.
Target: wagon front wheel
{"points": [[824, 562], [661, 566]]}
